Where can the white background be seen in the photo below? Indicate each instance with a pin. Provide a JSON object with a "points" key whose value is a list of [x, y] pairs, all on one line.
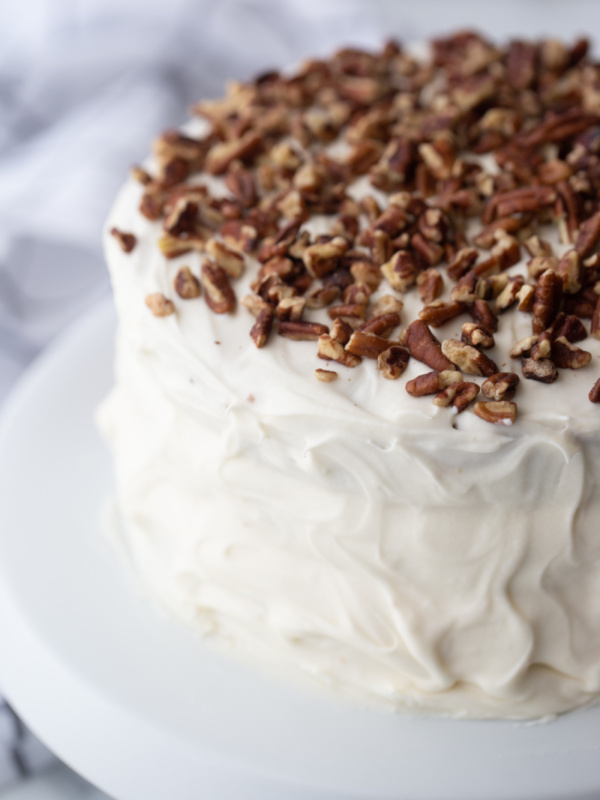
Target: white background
{"points": [[85, 84]]}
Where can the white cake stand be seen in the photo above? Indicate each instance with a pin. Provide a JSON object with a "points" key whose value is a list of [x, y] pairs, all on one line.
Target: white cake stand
{"points": [[142, 709]]}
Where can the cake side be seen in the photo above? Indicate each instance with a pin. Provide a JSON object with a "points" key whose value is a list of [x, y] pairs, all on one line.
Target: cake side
{"points": [[414, 556]]}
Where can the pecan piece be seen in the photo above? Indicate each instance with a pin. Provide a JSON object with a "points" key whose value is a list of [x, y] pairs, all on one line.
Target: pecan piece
{"points": [[127, 241], [459, 395], [302, 331], [542, 349], [239, 234], [218, 293], [425, 347], [366, 345], [354, 310], [160, 305], [254, 303], [524, 346], [186, 284], [291, 308], [484, 316], [548, 295], [388, 304], [462, 262], [220, 155], [440, 312], [502, 412], [332, 350], [326, 375], [322, 296], [382, 325], [595, 328], [468, 358], [432, 382], [400, 270], [262, 327], [589, 233], [571, 327], [569, 268], [356, 293], [341, 331], [322, 258], [594, 394], [501, 386], [367, 273], [567, 356], [544, 371], [393, 361], [430, 285], [474, 334], [526, 298], [230, 260], [510, 293]]}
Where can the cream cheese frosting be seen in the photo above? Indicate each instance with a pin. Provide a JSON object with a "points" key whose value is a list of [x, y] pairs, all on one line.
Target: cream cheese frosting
{"points": [[387, 547]]}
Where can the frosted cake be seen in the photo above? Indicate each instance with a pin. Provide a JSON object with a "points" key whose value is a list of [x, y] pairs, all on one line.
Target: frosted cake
{"points": [[356, 418]]}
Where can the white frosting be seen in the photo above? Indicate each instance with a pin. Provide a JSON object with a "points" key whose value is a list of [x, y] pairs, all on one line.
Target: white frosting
{"points": [[386, 546]]}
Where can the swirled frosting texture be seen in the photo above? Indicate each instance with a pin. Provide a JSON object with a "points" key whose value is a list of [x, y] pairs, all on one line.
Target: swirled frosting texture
{"points": [[383, 545]]}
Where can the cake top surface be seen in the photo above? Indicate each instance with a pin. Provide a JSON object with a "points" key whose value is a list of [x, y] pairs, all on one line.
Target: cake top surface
{"points": [[399, 228]]}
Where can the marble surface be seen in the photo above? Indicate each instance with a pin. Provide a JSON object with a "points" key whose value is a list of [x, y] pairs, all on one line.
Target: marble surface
{"points": [[83, 87]]}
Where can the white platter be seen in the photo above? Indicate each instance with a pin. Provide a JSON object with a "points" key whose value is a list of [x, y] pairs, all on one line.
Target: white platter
{"points": [[142, 709]]}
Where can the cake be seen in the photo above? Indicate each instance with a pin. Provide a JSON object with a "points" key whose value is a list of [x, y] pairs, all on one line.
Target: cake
{"points": [[356, 417]]}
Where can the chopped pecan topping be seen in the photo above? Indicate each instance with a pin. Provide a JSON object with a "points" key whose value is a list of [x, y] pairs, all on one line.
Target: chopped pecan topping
{"points": [[459, 395], [186, 284], [569, 269], [502, 412], [595, 327], [501, 386], [332, 350], [254, 303], [262, 327], [484, 316], [366, 345], [355, 311], [383, 325], [291, 309], [393, 361], [430, 285], [326, 375], [589, 233], [567, 356], [301, 331], [544, 371], [341, 331], [542, 348], [510, 293], [425, 347], [594, 394], [546, 304], [160, 305], [218, 293], [526, 298], [400, 270], [388, 304], [440, 311], [221, 155], [462, 262], [127, 241], [173, 246], [467, 358], [321, 259], [571, 327], [474, 334], [524, 346], [231, 261], [432, 382], [322, 296]]}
